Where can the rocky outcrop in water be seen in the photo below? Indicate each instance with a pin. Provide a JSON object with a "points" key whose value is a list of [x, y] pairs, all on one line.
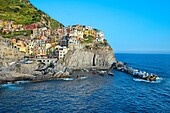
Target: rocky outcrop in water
{"points": [[35, 72], [134, 72], [89, 58]]}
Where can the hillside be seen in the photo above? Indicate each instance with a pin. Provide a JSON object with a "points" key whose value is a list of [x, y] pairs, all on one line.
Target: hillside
{"points": [[23, 12], [36, 35]]}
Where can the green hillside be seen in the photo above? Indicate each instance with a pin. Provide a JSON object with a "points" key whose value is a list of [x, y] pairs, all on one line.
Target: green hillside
{"points": [[23, 12]]}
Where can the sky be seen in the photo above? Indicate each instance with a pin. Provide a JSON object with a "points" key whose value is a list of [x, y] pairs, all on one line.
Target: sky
{"points": [[130, 26]]}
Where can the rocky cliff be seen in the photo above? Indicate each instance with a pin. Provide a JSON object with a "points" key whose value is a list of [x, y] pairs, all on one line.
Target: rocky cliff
{"points": [[89, 58], [8, 54]]}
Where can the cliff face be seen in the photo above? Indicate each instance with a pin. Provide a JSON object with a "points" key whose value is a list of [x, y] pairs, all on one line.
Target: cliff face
{"points": [[89, 58]]}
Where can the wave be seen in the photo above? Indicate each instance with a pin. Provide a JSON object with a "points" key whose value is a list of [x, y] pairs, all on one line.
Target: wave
{"points": [[83, 77], [158, 80], [68, 79], [22, 82], [15, 88], [11, 86], [7, 85]]}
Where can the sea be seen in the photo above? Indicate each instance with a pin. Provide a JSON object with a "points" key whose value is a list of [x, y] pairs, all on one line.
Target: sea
{"points": [[121, 93]]}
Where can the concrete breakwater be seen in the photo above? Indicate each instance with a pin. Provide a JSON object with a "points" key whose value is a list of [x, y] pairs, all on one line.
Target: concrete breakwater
{"points": [[134, 72]]}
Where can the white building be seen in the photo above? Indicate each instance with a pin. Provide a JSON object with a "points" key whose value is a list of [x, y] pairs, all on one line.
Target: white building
{"points": [[99, 39], [73, 33], [80, 34], [61, 51], [99, 36], [74, 43], [88, 27]]}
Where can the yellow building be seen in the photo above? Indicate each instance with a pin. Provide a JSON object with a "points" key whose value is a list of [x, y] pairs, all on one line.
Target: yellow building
{"points": [[48, 32], [86, 32], [93, 33], [90, 33], [23, 49], [19, 45], [3, 23]]}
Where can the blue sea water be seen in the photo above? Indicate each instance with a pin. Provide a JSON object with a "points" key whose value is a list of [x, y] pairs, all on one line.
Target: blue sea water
{"points": [[121, 93]]}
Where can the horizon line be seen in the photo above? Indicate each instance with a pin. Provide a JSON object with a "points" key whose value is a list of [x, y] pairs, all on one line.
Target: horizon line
{"points": [[141, 52]]}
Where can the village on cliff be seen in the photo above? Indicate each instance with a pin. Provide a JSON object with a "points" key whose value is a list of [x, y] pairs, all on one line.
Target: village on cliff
{"points": [[46, 46], [42, 42]]}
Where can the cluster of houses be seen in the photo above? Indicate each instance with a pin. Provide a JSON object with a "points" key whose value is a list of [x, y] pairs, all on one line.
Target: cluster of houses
{"points": [[78, 33], [9, 26], [45, 43]]}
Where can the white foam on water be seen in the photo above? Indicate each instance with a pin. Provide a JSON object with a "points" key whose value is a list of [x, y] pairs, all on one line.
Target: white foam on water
{"points": [[22, 82], [67, 79], [83, 77], [11, 86], [15, 88], [158, 80], [7, 85]]}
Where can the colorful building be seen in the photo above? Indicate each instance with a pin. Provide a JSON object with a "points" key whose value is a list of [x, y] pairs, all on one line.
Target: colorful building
{"points": [[60, 51], [30, 27], [74, 43]]}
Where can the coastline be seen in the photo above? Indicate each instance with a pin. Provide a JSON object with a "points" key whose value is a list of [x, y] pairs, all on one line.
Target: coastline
{"points": [[32, 78], [39, 73], [28, 74]]}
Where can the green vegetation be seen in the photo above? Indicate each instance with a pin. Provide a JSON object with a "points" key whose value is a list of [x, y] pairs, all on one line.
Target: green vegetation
{"points": [[87, 47], [18, 33], [88, 39], [23, 12]]}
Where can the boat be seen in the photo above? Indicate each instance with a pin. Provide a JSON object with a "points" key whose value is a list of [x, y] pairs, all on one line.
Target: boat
{"points": [[21, 82], [110, 73], [68, 79], [101, 73], [11, 63], [94, 72], [80, 77], [28, 62]]}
